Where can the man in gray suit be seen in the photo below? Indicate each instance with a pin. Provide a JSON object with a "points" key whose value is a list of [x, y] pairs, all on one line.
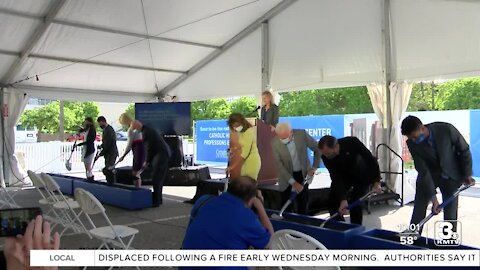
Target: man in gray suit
{"points": [[109, 148], [293, 164], [442, 159]]}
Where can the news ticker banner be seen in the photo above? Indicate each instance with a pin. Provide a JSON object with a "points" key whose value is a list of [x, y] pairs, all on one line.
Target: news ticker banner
{"points": [[255, 258]]}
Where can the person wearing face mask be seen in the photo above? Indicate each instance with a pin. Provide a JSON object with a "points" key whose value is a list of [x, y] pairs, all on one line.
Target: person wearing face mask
{"points": [[108, 148], [249, 161], [442, 159], [134, 144], [88, 149], [353, 169], [290, 150]]}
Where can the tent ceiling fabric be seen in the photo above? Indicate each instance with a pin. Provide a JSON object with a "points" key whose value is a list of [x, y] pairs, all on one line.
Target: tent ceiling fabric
{"points": [[6, 61], [234, 73], [15, 31], [37, 7], [93, 77], [313, 43], [334, 47], [436, 39]]}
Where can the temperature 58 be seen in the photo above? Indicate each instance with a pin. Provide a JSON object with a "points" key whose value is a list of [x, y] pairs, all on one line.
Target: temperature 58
{"points": [[407, 239]]}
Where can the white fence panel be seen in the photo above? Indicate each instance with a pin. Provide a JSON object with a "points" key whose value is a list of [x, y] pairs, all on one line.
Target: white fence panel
{"points": [[51, 156]]}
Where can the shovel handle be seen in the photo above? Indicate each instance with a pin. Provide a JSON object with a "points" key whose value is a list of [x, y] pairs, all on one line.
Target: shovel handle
{"points": [[445, 203], [455, 195], [360, 201], [293, 195]]}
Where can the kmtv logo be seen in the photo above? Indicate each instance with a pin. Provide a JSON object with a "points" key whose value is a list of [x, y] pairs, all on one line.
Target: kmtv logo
{"points": [[448, 233]]}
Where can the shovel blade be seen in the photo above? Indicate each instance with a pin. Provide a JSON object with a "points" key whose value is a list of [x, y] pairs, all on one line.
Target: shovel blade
{"points": [[68, 165], [276, 216]]}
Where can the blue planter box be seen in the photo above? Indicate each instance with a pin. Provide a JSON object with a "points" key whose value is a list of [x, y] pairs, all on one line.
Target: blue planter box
{"points": [[382, 239], [66, 182], [128, 197], [335, 235]]}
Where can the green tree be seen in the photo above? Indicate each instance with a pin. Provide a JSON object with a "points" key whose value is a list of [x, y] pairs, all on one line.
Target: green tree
{"points": [[210, 109], [423, 97], [130, 110], [245, 106], [459, 95], [47, 118], [83, 109], [326, 101]]}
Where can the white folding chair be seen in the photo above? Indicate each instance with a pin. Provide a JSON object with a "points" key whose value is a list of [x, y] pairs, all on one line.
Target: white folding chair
{"points": [[6, 199], [69, 218], [294, 240], [45, 201], [111, 235]]}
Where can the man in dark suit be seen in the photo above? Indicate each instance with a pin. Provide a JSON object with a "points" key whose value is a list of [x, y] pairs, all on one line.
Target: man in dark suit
{"points": [[290, 150], [158, 156], [352, 167], [442, 159], [109, 148]]}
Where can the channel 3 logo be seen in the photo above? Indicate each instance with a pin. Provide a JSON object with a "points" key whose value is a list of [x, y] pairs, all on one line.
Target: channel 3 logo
{"points": [[448, 233]]}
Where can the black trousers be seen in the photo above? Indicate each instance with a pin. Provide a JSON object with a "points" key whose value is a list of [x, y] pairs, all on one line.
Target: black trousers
{"points": [[447, 188], [159, 173], [357, 191], [300, 205], [109, 162]]}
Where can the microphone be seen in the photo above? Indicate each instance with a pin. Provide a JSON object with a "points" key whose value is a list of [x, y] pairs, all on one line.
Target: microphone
{"points": [[258, 108]]}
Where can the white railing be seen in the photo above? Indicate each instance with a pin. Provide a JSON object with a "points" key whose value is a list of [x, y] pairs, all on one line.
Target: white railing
{"points": [[50, 157]]}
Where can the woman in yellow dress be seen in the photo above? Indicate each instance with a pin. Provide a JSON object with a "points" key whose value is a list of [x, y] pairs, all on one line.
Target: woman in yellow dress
{"points": [[250, 161]]}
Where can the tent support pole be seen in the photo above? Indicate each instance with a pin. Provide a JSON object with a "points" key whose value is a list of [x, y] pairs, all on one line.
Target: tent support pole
{"points": [[265, 66], [2, 125], [61, 130], [265, 57], [388, 78]]}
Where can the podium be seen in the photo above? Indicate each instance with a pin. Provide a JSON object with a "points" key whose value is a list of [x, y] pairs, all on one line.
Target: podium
{"points": [[268, 171]]}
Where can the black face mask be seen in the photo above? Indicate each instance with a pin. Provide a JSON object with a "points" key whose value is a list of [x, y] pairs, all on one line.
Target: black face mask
{"points": [[103, 126]]}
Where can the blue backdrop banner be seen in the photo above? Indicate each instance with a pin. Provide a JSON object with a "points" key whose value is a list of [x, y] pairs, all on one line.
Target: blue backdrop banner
{"points": [[212, 135], [212, 141], [475, 140], [318, 126]]}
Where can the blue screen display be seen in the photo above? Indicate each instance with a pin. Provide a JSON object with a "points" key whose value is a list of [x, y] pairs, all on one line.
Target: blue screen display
{"points": [[167, 118]]}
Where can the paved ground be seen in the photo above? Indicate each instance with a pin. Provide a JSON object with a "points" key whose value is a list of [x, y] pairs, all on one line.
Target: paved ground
{"points": [[164, 227]]}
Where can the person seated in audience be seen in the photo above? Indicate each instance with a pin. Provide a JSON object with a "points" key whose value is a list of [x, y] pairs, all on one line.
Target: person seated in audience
{"points": [[16, 253], [227, 221]]}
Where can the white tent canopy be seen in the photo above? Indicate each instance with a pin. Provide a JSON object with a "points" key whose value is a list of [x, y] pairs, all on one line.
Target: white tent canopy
{"points": [[130, 50]]}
